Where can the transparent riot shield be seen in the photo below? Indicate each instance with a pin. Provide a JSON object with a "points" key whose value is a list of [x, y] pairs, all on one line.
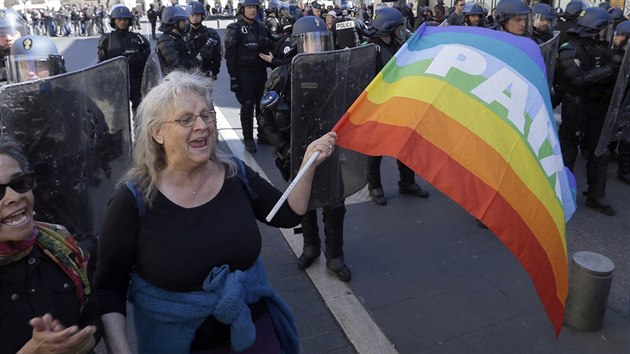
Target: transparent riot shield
{"points": [[617, 124], [152, 75], [75, 131], [323, 86], [549, 51]]}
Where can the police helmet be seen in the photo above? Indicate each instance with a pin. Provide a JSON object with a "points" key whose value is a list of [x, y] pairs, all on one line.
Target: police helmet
{"points": [[119, 12], [623, 28], [288, 15], [604, 5], [594, 18], [472, 8], [33, 57], [243, 3], [387, 21], [311, 35], [617, 15], [171, 16], [574, 7], [544, 10], [11, 23], [347, 5], [195, 7], [622, 34], [507, 9], [274, 7]]}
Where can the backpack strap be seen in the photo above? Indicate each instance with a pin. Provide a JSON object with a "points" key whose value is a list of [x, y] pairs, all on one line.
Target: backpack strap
{"points": [[240, 171], [142, 209]]}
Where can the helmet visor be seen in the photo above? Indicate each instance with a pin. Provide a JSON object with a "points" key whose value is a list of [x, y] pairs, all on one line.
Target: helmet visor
{"points": [[314, 42], [542, 23], [22, 68]]}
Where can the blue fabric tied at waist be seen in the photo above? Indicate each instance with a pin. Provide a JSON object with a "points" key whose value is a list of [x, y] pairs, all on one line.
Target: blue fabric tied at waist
{"points": [[166, 321]]}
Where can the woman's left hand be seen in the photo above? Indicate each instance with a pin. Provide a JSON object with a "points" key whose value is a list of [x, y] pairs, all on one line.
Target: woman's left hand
{"points": [[325, 145]]}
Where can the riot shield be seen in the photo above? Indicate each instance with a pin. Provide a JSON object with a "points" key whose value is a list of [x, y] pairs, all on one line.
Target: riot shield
{"points": [[75, 131], [617, 124], [549, 51], [323, 86], [152, 75]]}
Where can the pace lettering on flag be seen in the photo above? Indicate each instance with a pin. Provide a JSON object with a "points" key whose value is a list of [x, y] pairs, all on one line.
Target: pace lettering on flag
{"points": [[468, 109]]}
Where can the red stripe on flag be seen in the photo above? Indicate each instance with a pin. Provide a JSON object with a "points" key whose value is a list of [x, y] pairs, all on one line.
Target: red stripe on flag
{"points": [[453, 179]]}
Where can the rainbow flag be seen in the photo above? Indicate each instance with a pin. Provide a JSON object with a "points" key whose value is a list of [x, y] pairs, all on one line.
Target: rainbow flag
{"points": [[468, 109]]}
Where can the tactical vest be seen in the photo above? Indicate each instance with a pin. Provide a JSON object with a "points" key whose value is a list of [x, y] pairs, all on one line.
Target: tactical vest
{"points": [[251, 42], [347, 36], [128, 45]]}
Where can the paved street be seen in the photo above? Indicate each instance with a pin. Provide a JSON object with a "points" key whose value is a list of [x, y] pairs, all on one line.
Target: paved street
{"points": [[426, 278]]}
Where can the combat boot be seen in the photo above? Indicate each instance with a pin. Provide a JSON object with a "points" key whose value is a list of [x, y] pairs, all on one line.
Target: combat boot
{"points": [[312, 244], [407, 184], [412, 189], [597, 175], [333, 228], [377, 195]]}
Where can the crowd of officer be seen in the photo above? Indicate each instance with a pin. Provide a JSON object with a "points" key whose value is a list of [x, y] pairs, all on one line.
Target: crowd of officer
{"points": [[588, 61]]}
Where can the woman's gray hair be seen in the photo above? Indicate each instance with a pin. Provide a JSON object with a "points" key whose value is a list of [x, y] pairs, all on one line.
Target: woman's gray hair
{"points": [[149, 158], [11, 147]]}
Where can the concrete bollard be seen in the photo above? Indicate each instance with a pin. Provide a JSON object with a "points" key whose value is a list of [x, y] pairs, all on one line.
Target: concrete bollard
{"points": [[589, 285]]}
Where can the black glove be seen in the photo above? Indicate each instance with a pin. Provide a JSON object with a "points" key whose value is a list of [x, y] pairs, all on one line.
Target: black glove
{"points": [[615, 60], [234, 85]]}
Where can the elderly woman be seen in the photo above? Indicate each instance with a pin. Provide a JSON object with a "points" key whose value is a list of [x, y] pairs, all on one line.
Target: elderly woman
{"points": [[45, 306], [183, 229]]}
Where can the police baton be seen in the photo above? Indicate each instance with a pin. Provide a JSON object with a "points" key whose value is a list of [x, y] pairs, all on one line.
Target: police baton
{"points": [[285, 195]]}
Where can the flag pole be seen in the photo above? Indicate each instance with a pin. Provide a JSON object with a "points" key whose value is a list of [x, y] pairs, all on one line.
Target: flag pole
{"points": [[285, 195]]}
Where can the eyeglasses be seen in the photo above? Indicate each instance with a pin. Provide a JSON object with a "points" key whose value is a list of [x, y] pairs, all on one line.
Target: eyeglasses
{"points": [[21, 184], [188, 120]]}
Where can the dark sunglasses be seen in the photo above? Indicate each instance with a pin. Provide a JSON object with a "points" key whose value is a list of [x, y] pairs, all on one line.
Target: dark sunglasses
{"points": [[21, 184]]}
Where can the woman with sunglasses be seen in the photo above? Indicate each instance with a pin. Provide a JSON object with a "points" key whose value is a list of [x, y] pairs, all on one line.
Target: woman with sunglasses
{"points": [[45, 303], [183, 229]]}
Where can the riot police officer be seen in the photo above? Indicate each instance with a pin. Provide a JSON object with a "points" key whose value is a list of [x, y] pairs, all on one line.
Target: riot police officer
{"points": [[473, 14], [587, 73], [347, 31], [122, 42], [58, 144], [12, 27], [543, 16], [203, 42], [172, 49], [310, 35], [512, 16], [271, 20], [284, 48], [245, 40], [388, 33], [568, 20]]}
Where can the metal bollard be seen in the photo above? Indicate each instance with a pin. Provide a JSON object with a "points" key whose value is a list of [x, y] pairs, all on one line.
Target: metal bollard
{"points": [[589, 285]]}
